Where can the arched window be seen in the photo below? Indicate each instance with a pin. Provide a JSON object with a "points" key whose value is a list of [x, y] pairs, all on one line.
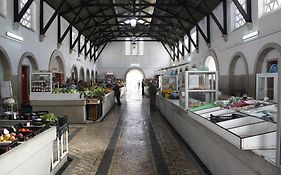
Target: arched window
{"points": [[127, 46], [141, 46]]}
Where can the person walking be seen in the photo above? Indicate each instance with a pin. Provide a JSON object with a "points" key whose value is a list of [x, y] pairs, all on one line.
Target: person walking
{"points": [[117, 93], [152, 95], [142, 87]]}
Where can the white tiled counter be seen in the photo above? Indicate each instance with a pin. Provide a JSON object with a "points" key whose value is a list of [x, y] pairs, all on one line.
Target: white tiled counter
{"points": [[31, 157], [212, 145]]}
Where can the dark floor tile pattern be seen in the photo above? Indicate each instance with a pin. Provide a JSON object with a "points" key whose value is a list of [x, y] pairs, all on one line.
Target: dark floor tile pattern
{"points": [[130, 140]]}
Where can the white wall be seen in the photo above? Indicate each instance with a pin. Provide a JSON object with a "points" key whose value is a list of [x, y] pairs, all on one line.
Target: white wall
{"points": [[41, 50], [113, 59], [269, 32]]}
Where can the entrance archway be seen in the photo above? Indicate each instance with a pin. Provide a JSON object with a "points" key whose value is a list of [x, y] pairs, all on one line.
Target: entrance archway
{"points": [[210, 63], [27, 64], [81, 74], [134, 78], [74, 73], [56, 66], [5, 70], [238, 75], [88, 76]]}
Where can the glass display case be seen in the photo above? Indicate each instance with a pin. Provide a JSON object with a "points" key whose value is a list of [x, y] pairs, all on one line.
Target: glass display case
{"points": [[168, 84], [266, 86], [247, 132], [41, 82], [197, 88]]}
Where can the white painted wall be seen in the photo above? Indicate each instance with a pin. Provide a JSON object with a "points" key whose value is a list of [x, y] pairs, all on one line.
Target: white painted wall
{"points": [[113, 59], [41, 50], [269, 32]]}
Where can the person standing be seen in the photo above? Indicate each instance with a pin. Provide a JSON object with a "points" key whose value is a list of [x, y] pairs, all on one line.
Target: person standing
{"points": [[152, 95], [142, 87], [117, 93]]}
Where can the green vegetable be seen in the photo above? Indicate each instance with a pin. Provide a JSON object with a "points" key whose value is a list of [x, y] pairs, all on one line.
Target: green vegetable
{"points": [[50, 117]]}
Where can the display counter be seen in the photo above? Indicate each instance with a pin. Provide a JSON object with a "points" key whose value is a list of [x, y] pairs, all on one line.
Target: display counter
{"points": [[61, 104], [69, 104], [107, 103], [31, 157], [221, 146]]}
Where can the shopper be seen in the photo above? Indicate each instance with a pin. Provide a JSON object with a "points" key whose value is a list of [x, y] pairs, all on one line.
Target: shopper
{"points": [[117, 92], [142, 87], [152, 95]]}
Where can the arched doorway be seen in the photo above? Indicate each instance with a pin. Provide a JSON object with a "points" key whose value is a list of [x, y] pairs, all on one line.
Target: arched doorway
{"points": [[210, 63], [92, 75], [134, 78], [56, 66], [238, 75], [5, 70], [27, 64], [74, 73], [268, 55], [81, 74], [267, 61], [88, 75]]}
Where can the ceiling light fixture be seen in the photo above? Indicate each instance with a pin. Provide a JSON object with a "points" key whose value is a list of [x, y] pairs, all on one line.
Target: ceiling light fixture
{"points": [[133, 22]]}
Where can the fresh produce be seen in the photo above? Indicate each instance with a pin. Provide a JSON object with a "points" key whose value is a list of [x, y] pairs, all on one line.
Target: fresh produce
{"points": [[23, 130], [50, 117]]}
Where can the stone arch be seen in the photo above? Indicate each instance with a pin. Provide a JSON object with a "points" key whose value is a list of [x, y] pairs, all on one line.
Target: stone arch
{"points": [[6, 64], [74, 73], [238, 83], [81, 74], [56, 66], [92, 75], [262, 55], [87, 79], [132, 68], [212, 54], [27, 56]]}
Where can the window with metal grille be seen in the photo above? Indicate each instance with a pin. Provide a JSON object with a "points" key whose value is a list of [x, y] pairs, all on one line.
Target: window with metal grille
{"points": [[28, 18], [82, 41], [73, 36], [270, 5], [141, 46], [135, 48], [238, 18], [194, 38], [3, 8], [127, 46]]}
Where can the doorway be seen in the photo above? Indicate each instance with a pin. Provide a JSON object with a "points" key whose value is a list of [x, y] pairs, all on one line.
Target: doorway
{"points": [[25, 84], [134, 78]]}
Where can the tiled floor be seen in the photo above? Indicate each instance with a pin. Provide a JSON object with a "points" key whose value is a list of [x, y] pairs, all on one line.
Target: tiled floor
{"points": [[130, 140]]}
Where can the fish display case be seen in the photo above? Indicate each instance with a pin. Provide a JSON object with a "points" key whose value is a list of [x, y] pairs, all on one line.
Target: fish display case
{"points": [[243, 129]]}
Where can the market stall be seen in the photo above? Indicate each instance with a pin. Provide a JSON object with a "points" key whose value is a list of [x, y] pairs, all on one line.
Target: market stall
{"points": [[220, 132], [69, 101], [30, 152]]}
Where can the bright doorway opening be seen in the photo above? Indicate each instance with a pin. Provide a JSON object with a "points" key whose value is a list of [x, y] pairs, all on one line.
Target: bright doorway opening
{"points": [[133, 80]]}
